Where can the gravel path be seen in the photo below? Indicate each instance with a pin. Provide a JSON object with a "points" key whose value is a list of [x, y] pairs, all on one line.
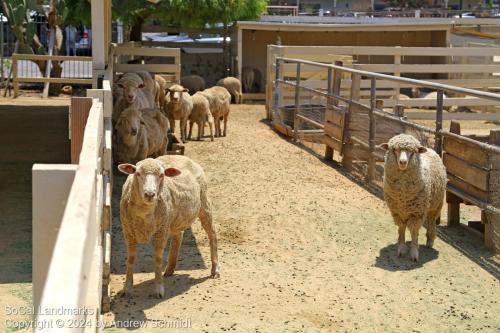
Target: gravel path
{"points": [[305, 249]]}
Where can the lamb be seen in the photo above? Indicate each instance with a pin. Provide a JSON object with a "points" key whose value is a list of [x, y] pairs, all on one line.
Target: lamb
{"points": [[200, 115], [414, 188], [193, 83], [140, 134], [219, 99], [132, 90], [178, 107], [162, 197], [233, 85]]}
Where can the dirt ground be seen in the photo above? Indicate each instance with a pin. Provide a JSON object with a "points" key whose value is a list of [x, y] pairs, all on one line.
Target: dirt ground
{"points": [[29, 134], [303, 248]]}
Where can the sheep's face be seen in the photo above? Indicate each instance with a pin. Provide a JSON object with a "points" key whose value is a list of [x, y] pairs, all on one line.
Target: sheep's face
{"points": [[175, 93], [128, 126], [130, 90], [148, 178], [403, 149]]}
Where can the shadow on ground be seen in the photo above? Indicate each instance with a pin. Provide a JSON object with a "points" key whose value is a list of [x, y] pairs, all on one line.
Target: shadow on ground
{"points": [[388, 258], [469, 244]]}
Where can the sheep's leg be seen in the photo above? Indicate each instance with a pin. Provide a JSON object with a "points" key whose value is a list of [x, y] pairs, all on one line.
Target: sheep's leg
{"points": [[225, 123], [159, 245], [207, 223], [173, 253], [172, 124], [414, 229], [211, 127], [183, 129], [200, 129], [219, 126], [432, 220], [190, 129], [129, 280], [217, 121], [401, 239]]}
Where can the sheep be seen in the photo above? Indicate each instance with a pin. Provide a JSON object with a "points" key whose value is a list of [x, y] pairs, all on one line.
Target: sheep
{"points": [[200, 115], [140, 134], [193, 83], [417, 93], [178, 106], [132, 90], [160, 87], [162, 197], [219, 99], [248, 75], [414, 188], [233, 85]]}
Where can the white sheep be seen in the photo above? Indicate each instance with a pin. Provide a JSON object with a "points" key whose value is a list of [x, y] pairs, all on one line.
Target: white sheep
{"points": [[233, 85], [193, 83], [414, 188], [220, 100], [163, 197], [178, 106], [140, 134], [132, 90], [201, 115]]}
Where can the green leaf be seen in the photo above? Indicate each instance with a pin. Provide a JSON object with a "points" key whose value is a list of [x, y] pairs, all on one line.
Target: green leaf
{"points": [[30, 32]]}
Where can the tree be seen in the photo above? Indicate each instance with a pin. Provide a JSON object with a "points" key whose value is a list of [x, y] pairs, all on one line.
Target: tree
{"points": [[188, 14]]}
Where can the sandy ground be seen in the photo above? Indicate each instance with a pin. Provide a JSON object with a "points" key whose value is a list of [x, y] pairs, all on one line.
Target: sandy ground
{"points": [[303, 248]]}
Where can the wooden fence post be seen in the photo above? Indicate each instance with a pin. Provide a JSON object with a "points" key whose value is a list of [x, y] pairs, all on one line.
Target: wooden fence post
{"points": [[492, 221], [296, 121], [371, 133], [452, 200], [15, 83], [334, 82], [399, 110], [355, 93], [438, 144]]}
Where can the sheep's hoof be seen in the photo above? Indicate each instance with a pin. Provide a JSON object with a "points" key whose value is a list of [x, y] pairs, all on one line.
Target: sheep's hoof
{"points": [[160, 290], [169, 272], [414, 253], [127, 289], [430, 243], [401, 249]]}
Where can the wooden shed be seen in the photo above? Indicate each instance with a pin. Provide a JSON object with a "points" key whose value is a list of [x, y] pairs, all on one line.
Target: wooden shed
{"points": [[253, 37]]}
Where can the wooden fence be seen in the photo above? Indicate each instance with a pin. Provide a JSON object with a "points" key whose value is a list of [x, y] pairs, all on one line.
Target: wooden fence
{"points": [[134, 52], [76, 70], [435, 64], [355, 128]]}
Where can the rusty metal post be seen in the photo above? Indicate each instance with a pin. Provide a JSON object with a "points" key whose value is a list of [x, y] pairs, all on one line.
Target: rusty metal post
{"points": [[438, 141]]}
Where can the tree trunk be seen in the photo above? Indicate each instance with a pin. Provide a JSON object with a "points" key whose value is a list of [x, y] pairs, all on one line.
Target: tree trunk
{"points": [[136, 30]]}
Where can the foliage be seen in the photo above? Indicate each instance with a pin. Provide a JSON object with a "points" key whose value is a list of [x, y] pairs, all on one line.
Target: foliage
{"points": [[407, 3]]}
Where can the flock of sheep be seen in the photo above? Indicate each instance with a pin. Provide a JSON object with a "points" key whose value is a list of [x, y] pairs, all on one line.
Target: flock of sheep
{"points": [[164, 194]]}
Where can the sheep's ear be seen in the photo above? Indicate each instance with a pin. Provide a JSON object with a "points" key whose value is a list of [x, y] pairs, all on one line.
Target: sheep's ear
{"points": [[384, 146], [172, 172], [120, 85], [127, 168], [141, 86], [422, 149], [186, 90]]}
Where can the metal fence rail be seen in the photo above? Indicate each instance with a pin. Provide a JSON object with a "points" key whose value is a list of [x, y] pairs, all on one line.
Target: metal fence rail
{"points": [[355, 127]]}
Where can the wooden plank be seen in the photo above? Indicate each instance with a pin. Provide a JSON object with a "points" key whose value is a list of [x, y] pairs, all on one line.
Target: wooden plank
{"points": [[465, 150], [391, 50], [147, 51], [154, 68], [332, 142], [420, 102], [430, 68], [334, 130], [54, 80], [469, 173], [431, 115], [79, 112], [36, 57], [467, 187]]}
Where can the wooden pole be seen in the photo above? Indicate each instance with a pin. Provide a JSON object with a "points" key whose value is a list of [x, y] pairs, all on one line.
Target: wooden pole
{"points": [[371, 134], [277, 86], [296, 121], [355, 93], [492, 221], [438, 145], [453, 200], [328, 149]]}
